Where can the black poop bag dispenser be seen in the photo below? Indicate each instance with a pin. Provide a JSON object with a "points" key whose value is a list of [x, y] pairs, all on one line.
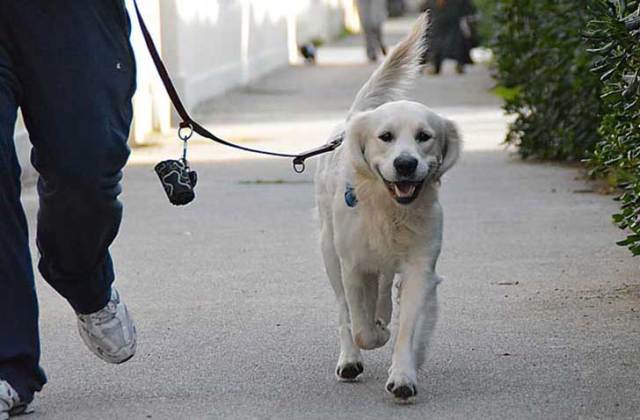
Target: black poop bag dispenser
{"points": [[177, 178]]}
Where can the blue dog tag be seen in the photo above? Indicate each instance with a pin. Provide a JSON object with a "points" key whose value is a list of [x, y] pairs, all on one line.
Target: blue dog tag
{"points": [[350, 196]]}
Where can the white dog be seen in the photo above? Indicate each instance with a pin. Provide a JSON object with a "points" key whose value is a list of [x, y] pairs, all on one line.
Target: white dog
{"points": [[377, 197]]}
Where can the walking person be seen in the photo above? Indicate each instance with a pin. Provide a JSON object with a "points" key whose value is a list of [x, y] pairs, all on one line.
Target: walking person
{"points": [[452, 33], [69, 66], [373, 14]]}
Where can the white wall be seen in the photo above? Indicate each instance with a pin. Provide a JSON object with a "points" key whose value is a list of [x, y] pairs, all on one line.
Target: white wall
{"points": [[210, 46], [318, 19], [151, 104]]}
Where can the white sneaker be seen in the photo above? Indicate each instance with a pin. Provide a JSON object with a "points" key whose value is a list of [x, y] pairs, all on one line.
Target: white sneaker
{"points": [[109, 333], [10, 404]]}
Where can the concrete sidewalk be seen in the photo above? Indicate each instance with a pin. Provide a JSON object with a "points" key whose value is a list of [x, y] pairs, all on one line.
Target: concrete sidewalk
{"points": [[540, 311]]}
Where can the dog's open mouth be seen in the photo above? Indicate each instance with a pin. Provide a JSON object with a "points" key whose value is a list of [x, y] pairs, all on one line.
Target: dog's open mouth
{"points": [[404, 192]]}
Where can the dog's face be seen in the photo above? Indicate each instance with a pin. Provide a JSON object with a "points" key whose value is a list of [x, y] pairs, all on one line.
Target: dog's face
{"points": [[405, 145]]}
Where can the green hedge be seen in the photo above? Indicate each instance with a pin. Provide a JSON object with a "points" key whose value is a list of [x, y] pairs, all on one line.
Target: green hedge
{"points": [[569, 72], [616, 46], [541, 59], [486, 12]]}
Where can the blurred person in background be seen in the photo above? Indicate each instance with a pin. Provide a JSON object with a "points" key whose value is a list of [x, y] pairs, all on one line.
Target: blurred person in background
{"points": [[396, 7], [373, 13], [453, 32]]}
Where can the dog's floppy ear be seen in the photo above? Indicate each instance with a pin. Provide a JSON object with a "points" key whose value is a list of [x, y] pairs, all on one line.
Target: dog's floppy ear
{"points": [[452, 147], [358, 129]]}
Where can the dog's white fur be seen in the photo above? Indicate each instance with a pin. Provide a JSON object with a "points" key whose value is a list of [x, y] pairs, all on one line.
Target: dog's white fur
{"points": [[365, 246]]}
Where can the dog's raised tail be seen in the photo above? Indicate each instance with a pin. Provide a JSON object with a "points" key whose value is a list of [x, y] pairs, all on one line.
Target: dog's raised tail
{"points": [[397, 73]]}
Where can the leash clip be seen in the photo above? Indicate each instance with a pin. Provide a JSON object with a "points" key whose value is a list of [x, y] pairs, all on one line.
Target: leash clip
{"points": [[298, 165], [185, 131], [298, 161]]}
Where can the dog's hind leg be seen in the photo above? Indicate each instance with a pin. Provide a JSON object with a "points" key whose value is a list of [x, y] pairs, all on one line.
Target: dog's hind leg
{"points": [[418, 315], [350, 361]]}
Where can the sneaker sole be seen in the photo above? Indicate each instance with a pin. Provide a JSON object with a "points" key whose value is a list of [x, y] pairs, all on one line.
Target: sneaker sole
{"points": [[89, 345], [124, 361], [18, 410]]}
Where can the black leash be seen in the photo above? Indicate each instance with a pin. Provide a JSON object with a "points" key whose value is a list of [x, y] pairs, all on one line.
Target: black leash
{"points": [[188, 125]]}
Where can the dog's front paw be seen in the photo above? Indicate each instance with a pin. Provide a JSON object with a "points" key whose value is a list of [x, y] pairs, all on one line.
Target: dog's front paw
{"points": [[348, 372], [402, 386], [372, 339], [349, 368]]}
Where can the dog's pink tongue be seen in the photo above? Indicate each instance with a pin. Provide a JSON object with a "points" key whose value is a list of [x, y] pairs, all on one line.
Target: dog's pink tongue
{"points": [[404, 190]]}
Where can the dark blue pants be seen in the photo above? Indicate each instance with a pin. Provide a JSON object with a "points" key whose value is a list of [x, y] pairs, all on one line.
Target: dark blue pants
{"points": [[69, 66]]}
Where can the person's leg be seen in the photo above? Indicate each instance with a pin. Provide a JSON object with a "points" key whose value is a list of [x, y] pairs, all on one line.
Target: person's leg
{"points": [[371, 42], [370, 38], [380, 40], [19, 341], [438, 58], [80, 70]]}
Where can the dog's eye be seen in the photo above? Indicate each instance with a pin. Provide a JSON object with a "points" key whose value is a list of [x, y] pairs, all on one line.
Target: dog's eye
{"points": [[386, 137], [421, 137]]}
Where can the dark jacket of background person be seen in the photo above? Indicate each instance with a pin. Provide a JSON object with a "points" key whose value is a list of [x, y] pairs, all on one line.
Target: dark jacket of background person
{"points": [[448, 40]]}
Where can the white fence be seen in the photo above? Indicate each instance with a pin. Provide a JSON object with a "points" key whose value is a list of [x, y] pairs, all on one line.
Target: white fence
{"points": [[210, 46]]}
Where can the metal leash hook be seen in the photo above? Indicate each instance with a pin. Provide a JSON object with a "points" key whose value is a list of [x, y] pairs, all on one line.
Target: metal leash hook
{"points": [[298, 165], [185, 131], [185, 135], [298, 161]]}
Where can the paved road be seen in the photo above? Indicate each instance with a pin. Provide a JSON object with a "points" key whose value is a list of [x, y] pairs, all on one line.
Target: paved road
{"points": [[540, 311]]}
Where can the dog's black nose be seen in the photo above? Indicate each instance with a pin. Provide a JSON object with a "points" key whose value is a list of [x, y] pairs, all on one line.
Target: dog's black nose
{"points": [[405, 165]]}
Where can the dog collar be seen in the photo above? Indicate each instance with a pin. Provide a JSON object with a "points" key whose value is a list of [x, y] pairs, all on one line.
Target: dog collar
{"points": [[350, 196]]}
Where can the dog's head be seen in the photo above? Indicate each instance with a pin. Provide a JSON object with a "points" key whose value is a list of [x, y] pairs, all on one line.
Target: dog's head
{"points": [[405, 145]]}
